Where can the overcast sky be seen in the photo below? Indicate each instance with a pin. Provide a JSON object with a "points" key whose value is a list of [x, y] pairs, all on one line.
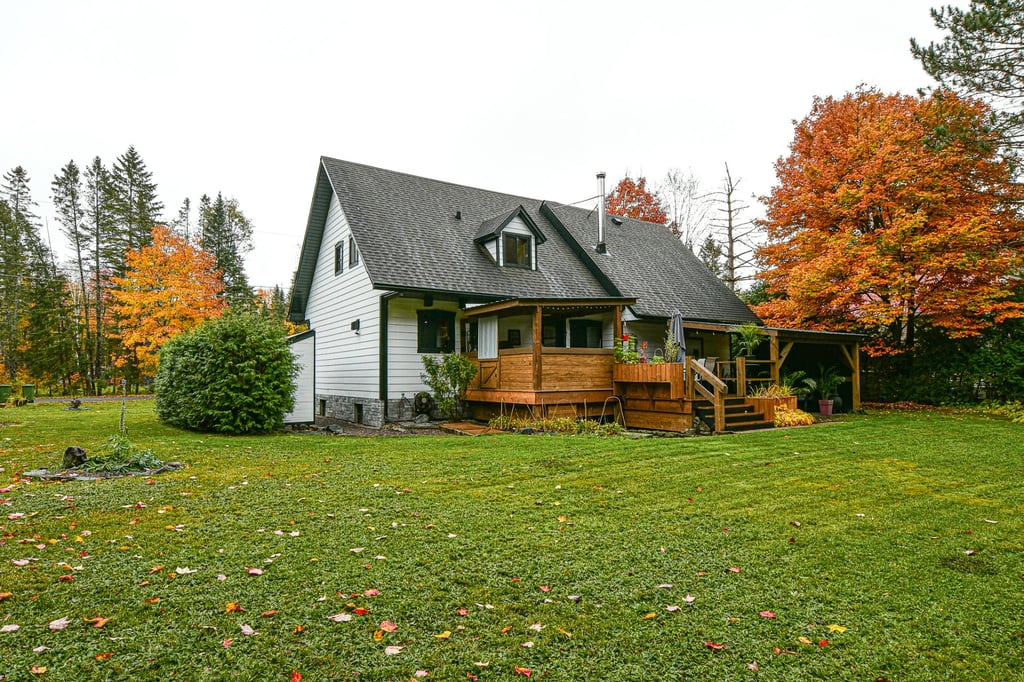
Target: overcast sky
{"points": [[530, 98]]}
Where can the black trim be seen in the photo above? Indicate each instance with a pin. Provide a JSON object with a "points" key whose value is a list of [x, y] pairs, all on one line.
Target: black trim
{"points": [[382, 351], [580, 252]]}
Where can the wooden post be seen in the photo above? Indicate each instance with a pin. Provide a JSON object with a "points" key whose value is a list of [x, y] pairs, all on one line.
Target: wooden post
{"points": [[617, 324], [538, 339], [741, 375], [773, 346]]}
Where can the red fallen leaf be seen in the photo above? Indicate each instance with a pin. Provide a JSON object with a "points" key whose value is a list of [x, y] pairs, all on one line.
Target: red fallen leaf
{"points": [[515, 580], [66, 578], [526, 672], [792, 541], [227, 642], [714, 646], [296, 677], [823, 643], [725, 530], [545, 588], [267, 614], [360, 611], [150, 481], [232, 607], [767, 614], [462, 611], [104, 656], [388, 626], [472, 677]]}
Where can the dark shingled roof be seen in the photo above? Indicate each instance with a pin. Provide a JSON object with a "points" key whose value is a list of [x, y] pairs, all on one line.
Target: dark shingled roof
{"points": [[410, 240]]}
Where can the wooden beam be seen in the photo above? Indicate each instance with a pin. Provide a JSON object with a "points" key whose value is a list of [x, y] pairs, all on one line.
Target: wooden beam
{"points": [[538, 339], [617, 324], [855, 377], [784, 353], [773, 347]]}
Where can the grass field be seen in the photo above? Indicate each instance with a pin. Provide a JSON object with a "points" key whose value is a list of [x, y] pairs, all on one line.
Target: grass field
{"points": [[887, 546]]}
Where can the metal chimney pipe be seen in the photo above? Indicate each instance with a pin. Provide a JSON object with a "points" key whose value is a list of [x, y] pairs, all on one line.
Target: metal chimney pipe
{"points": [[601, 248]]}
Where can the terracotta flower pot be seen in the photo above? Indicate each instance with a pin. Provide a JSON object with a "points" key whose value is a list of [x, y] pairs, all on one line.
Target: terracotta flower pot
{"points": [[825, 408]]}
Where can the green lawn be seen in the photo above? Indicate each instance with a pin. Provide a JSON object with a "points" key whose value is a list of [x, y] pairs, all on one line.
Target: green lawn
{"points": [[887, 546]]}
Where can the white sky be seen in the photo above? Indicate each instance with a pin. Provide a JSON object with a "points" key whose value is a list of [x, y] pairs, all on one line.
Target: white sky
{"points": [[530, 98]]}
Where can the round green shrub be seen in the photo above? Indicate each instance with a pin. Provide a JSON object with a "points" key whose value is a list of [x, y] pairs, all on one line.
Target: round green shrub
{"points": [[233, 374]]}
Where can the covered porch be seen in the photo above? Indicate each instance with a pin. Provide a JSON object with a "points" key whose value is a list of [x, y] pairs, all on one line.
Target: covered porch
{"points": [[547, 357]]}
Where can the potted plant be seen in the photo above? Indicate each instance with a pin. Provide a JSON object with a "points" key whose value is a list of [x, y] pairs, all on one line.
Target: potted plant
{"points": [[749, 336], [766, 399], [799, 384], [828, 384]]}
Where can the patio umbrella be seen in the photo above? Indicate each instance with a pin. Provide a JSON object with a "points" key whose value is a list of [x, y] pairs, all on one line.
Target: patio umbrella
{"points": [[676, 330]]}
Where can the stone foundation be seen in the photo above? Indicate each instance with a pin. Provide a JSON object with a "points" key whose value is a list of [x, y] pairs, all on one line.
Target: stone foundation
{"points": [[332, 409]]}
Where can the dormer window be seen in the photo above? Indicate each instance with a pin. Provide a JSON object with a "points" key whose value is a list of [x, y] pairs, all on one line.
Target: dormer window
{"points": [[511, 239], [517, 249]]}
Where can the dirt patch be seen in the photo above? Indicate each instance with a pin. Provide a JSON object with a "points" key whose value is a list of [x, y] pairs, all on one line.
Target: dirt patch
{"points": [[387, 431], [83, 475]]}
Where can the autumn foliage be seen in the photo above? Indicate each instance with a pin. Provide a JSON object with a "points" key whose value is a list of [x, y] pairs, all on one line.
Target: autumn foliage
{"points": [[892, 212], [169, 288], [632, 199]]}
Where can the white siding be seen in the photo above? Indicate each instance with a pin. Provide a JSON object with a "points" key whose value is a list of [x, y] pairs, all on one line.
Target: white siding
{"points": [[304, 350], [404, 363], [346, 361]]}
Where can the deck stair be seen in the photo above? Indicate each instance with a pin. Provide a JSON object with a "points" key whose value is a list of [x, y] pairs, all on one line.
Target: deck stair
{"points": [[739, 414]]}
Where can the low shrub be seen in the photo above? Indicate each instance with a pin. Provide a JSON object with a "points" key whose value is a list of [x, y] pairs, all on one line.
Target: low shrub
{"points": [[122, 457], [787, 417]]}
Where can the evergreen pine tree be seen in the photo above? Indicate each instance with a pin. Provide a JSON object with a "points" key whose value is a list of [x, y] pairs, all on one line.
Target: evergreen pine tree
{"points": [[135, 204], [103, 254], [67, 198], [226, 234]]}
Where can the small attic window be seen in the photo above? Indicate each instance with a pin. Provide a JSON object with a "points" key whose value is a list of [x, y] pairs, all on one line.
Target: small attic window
{"points": [[339, 258], [517, 250], [353, 253]]}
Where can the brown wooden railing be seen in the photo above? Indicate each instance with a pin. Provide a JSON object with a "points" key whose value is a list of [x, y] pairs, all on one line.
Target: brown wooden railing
{"points": [[702, 381], [742, 374]]}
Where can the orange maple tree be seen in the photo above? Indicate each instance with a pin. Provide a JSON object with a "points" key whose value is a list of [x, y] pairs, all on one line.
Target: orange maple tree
{"points": [[170, 287], [632, 199], [892, 211]]}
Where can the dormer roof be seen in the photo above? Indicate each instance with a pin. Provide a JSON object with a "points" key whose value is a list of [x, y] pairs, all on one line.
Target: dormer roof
{"points": [[492, 227]]}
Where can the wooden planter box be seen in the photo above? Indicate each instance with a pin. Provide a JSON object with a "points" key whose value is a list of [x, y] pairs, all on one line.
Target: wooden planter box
{"points": [[668, 373], [768, 405]]}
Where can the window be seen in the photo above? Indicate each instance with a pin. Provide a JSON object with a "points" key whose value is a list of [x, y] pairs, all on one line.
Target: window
{"points": [[435, 331], [585, 333], [517, 250], [353, 253], [339, 258]]}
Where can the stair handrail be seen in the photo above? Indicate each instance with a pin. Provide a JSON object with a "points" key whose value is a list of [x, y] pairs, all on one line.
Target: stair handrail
{"points": [[715, 394]]}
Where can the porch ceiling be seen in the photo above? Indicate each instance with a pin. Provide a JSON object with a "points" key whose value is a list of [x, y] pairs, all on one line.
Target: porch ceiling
{"points": [[566, 306]]}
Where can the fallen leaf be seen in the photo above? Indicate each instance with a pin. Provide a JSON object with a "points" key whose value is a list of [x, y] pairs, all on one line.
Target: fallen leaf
{"points": [[447, 634], [714, 646], [564, 632], [393, 650], [20, 562], [803, 640], [671, 608], [371, 593], [823, 643], [156, 569], [689, 599], [185, 571], [97, 622], [59, 624], [836, 628], [298, 629], [505, 630], [752, 666], [40, 649], [6, 595], [545, 588], [462, 611], [526, 645], [767, 614], [254, 571], [248, 631], [104, 656], [268, 614], [340, 617], [227, 642], [536, 626], [296, 677], [360, 611], [650, 615], [153, 600], [38, 669], [232, 607], [665, 586], [735, 569], [10, 628], [388, 626], [378, 635], [525, 672]]}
